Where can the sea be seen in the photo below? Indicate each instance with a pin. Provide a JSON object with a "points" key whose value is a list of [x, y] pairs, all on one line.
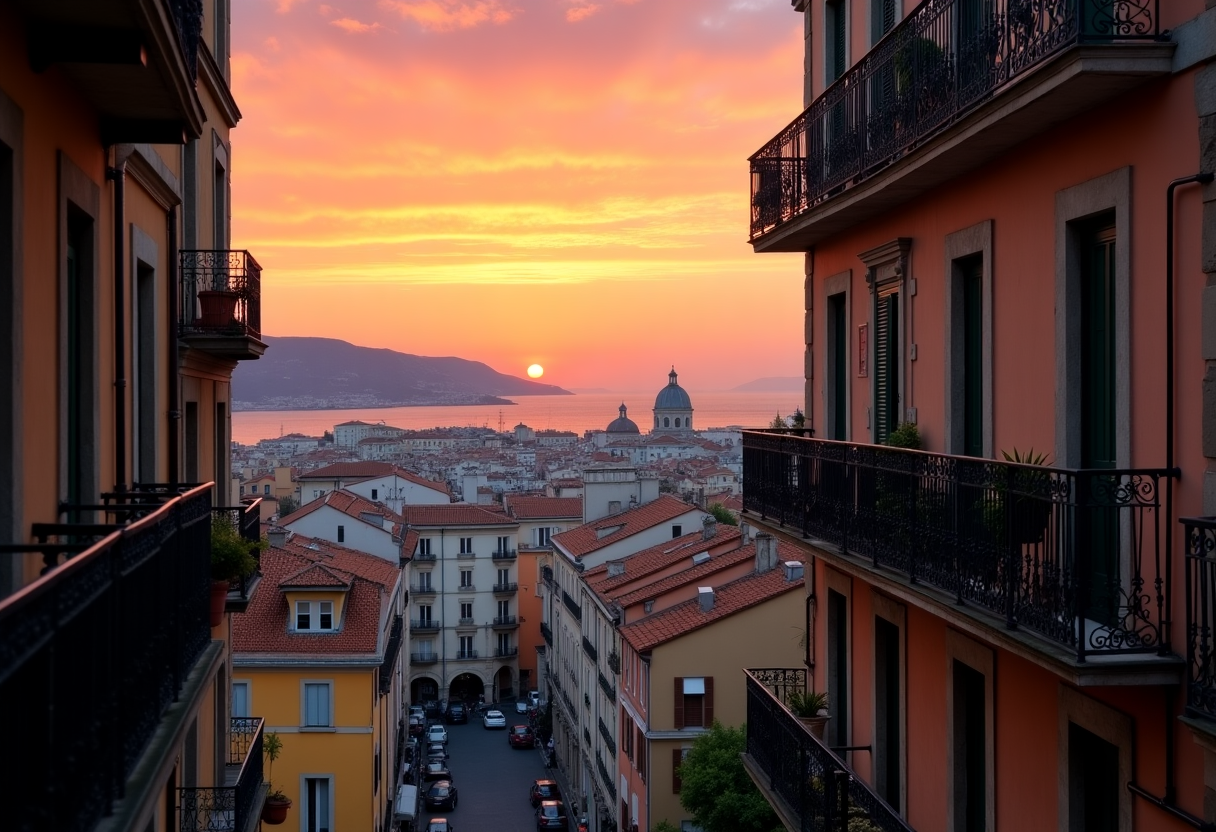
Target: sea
{"points": [[579, 412]]}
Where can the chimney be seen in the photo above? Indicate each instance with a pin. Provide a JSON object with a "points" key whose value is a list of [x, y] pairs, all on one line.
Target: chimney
{"points": [[766, 552], [745, 531], [709, 527], [615, 568], [278, 536], [705, 594], [793, 571]]}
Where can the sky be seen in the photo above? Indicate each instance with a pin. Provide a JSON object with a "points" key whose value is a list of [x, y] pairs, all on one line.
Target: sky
{"points": [[560, 182]]}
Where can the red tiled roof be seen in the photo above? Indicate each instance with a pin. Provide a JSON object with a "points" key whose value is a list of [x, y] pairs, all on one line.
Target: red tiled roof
{"points": [[740, 594], [543, 508], [584, 539], [314, 575], [454, 514], [647, 561], [263, 628], [349, 470], [418, 480], [345, 502]]}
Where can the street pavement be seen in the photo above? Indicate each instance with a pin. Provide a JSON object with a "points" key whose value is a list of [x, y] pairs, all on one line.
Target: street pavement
{"points": [[492, 779]]}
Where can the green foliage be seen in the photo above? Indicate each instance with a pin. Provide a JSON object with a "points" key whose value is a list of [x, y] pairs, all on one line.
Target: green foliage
{"points": [[1027, 457], [723, 515], [328, 436], [715, 788], [287, 505], [664, 826], [778, 423], [907, 435], [231, 555], [807, 703], [272, 747]]}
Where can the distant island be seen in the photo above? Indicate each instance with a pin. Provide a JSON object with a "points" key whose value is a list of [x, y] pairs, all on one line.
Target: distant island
{"points": [[772, 384], [329, 374]]}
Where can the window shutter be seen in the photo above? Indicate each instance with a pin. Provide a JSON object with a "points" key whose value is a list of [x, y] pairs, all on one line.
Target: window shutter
{"points": [[708, 715], [678, 708], [886, 368], [677, 757]]}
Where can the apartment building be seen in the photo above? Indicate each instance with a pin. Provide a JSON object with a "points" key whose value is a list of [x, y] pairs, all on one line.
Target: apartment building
{"points": [[349, 520], [123, 312], [1007, 220]]}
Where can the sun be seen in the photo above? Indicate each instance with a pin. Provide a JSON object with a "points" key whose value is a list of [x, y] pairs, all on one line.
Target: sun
{"points": [[536, 371]]}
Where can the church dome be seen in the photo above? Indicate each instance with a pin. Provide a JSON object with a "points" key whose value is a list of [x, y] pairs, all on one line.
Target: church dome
{"points": [[623, 424], [673, 396]]}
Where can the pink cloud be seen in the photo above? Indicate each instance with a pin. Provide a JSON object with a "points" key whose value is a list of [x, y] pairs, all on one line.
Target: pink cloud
{"points": [[581, 13], [448, 15], [354, 27], [284, 6]]}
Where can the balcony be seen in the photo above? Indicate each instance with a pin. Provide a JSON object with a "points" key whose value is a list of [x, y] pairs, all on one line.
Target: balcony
{"points": [[1200, 616], [607, 737], [422, 589], [546, 575], [505, 622], [606, 778], [608, 688], [466, 555], [465, 655], [247, 521], [947, 90], [424, 556], [220, 296], [503, 554], [807, 785], [124, 605], [572, 605], [466, 622], [424, 658], [506, 652], [1074, 557], [135, 62], [506, 589], [590, 650], [392, 652], [422, 625], [237, 804], [546, 633]]}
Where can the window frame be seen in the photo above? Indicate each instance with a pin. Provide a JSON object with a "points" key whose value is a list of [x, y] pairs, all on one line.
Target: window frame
{"points": [[961, 649], [837, 368], [959, 246], [894, 614], [316, 610], [1104, 722], [328, 685]]}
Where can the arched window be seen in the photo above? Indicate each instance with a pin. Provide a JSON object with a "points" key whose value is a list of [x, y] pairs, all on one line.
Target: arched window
{"points": [[677, 421], [666, 422]]}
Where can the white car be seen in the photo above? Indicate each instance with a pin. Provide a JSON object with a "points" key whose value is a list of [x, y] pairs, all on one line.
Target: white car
{"points": [[494, 719], [437, 733], [521, 707]]}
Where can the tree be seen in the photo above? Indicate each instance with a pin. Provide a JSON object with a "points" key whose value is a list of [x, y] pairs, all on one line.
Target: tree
{"points": [[715, 788], [723, 515], [287, 505]]}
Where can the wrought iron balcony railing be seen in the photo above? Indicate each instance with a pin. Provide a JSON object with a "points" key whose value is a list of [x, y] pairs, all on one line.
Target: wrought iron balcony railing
{"points": [[1074, 555], [607, 737], [506, 621], [815, 785], [1201, 615], [503, 554], [572, 605], [424, 556], [546, 575], [425, 624], [942, 61], [506, 589], [608, 688], [506, 652], [423, 589], [127, 610], [590, 650], [466, 654], [546, 633], [221, 294], [466, 555], [247, 520], [424, 658], [614, 661], [228, 807], [606, 778], [392, 652]]}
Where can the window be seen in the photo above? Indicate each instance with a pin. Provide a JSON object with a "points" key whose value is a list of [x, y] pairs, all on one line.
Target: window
{"points": [[542, 536], [677, 421], [466, 578], [314, 615], [424, 545], [970, 757], [318, 808], [1095, 749], [643, 754], [677, 530], [887, 265], [838, 663], [504, 609], [426, 648], [504, 545], [504, 644], [836, 392], [144, 330], [882, 19], [375, 493], [694, 701], [677, 760], [11, 402], [318, 705], [424, 581], [666, 422], [466, 647], [240, 699], [466, 610], [341, 534], [466, 545], [889, 723], [504, 577], [836, 39], [969, 341], [267, 488], [424, 614], [80, 365]]}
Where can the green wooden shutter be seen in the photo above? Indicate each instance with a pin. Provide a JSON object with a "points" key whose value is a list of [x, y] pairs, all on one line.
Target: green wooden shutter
{"points": [[839, 368], [886, 365], [973, 355]]}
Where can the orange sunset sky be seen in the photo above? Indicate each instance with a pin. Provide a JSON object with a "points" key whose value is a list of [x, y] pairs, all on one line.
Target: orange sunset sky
{"points": [[561, 182]]}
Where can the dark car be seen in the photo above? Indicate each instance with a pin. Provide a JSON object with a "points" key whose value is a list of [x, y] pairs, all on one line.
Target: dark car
{"points": [[457, 713], [440, 825], [441, 795], [543, 790], [436, 770], [431, 707], [436, 751], [520, 736], [417, 725], [551, 814]]}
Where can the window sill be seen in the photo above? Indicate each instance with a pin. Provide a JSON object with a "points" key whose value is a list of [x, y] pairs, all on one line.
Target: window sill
{"points": [[318, 729]]}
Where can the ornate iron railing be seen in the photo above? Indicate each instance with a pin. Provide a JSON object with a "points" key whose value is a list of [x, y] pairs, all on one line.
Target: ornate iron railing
{"points": [[424, 658], [606, 777], [228, 808], [614, 661], [942, 61], [546, 575], [816, 785], [221, 293], [569, 702], [608, 688], [506, 588], [587, 736], [572, 605], [546, 633], [423, 589], [505, 653], [392, 651], [506, 621], [425, 556], [466, 654], [590, 650], [1074, 555], [1200, 534], [503, 554], [607, 736], [128, 611], [247, 519], [425, 624], [188, 20]]}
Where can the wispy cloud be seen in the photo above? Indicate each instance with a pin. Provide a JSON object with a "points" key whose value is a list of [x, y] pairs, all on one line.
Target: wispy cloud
{"points": [[581, 12], [354, 27], [448, 15]]}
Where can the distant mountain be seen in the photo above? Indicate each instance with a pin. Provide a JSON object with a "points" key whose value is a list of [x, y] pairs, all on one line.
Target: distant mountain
{"points": [[589, 390], [773, 384], [325, 373]]}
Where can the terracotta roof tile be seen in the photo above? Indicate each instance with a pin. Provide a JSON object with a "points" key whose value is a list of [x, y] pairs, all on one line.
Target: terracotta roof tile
{"points": [[656, 558], [585, 538], [543, 508], [349, 470], [454, 514], [314, 574], [346, 502]]}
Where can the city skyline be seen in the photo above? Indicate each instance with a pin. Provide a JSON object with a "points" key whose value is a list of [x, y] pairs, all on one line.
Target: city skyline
{"points": [[568, 178]]}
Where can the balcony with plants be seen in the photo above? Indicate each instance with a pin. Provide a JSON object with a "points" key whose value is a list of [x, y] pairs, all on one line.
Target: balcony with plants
{"points": [[950, 87], [236, 557], [238, 803], [220, 303], [1069, 564]]}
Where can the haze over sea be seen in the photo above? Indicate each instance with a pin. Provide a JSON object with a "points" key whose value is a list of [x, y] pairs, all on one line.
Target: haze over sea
{"points": [[577, 413]]}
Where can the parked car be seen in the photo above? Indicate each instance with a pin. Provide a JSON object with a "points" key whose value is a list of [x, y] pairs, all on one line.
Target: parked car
{"points": [[418, 710], [431, 707], [534, 698], [440, 825], [551, 814], [494, 719], [520, 736], [457, 714], [544, 790], [417, 725], [522, 706], [437, 733], [437, 751], [436, 770], [441, 795]]}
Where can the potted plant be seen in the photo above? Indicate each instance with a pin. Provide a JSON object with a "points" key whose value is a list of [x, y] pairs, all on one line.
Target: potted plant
{"points": [[231, 560], [1024, 495], [811, 709], [274, 811]]}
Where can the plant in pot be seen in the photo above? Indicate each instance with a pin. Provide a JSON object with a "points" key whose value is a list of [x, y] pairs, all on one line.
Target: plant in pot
{"points": [[811, 709], [231, 560], [1023, 496], [274, 811]]}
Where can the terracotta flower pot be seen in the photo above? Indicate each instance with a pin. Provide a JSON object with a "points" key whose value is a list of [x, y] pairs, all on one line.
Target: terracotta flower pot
{"points": [[815, 724], [216, 309], [219, 598], [274, 810]]}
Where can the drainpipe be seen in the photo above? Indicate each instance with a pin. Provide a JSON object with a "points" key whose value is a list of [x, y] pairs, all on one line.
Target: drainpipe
{"points": [[117, 174], [175, 415]]}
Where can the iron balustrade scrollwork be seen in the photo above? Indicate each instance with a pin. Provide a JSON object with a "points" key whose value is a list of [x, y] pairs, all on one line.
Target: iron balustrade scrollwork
{"points": [[466, 654], [605, 777], [425, 556], [424, 658], [572, 605], [225, 808], [614, 662], [188, 21], [546, 633], [781, 681], [246, 519], [938, 64], [506, 588], [128, 611], [221, 293], [506, 621], [1200, 537], [505, 653], [503, 554], [818, 786], [1073, 554], [608, 688], [607, 736], [590, 650], [546, 575], [425, 624]]}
